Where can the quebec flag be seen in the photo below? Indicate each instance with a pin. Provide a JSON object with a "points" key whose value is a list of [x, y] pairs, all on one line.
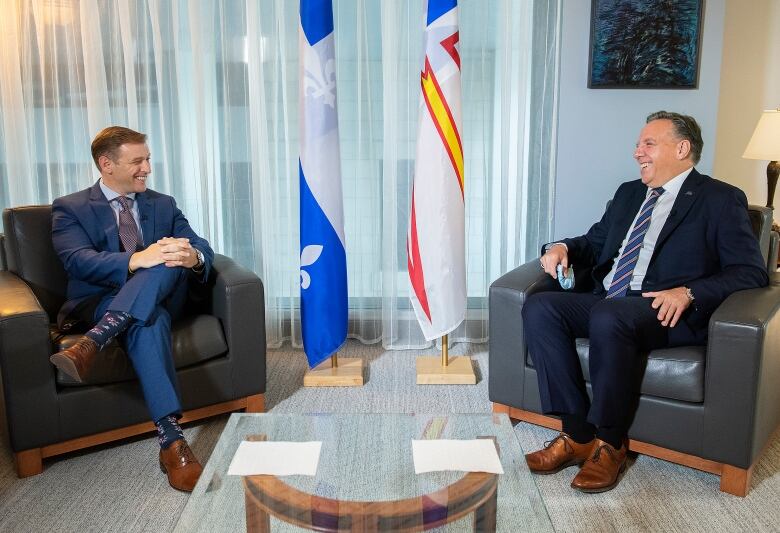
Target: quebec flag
{"points": [[323, 259]]}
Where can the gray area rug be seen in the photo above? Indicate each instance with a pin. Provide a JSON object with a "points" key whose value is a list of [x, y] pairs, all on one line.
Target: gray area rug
{"points": [[120, 487]]}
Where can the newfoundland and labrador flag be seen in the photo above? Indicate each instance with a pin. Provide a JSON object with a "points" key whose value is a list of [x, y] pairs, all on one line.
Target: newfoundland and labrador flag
{"points": [[323, 259], [436, 238]]}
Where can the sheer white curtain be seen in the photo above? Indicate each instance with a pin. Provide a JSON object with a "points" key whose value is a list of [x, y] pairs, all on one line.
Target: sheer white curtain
{"points": [[215, 86]]}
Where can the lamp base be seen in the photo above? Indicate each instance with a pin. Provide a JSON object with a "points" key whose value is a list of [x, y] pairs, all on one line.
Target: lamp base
{"points": [[772, 173]]}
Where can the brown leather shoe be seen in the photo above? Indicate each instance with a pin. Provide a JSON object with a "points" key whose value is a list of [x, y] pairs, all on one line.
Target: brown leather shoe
{"points": [[559, 453], [180, 464], [601, 472], [77, 360]]}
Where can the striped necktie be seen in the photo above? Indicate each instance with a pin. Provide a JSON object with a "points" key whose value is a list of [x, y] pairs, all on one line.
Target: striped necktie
{"points": [[627, 262], [128, 230]]}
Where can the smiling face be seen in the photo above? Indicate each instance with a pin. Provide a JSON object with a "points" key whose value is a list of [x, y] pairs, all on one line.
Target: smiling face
{"points": [[660, 153], [127, 172]]}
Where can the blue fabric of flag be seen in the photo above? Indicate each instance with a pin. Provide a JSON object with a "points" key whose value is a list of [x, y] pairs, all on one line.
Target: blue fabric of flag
{"points": [[316, 19], [437, 8], [323, 266]]}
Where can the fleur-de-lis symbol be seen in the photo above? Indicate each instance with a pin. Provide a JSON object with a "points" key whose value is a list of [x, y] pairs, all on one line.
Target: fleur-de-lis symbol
{"points": [[309, 255], [320, 82]]}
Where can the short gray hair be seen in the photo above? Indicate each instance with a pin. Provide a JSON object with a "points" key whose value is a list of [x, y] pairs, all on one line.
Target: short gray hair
{"points": [[685, 127]]}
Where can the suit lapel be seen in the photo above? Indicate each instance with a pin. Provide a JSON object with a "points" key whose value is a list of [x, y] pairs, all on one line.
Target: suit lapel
{"points": [[104, 216], [682, 204], [146, 214]]}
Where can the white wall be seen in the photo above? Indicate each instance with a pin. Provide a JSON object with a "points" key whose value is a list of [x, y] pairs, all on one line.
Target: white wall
{"points": [[750, 83], [598, 128]]}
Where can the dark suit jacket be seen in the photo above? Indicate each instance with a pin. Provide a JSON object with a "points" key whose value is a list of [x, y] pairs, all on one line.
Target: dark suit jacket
{"points": [[706, 244], [86, 238]]}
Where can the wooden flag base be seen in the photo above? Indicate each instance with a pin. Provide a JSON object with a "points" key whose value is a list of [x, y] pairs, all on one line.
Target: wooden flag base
{"points": [[348, 373], [458, 371]]}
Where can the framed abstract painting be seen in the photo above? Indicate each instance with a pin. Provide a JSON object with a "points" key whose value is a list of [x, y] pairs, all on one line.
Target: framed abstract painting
{"points": [[645, 44]]}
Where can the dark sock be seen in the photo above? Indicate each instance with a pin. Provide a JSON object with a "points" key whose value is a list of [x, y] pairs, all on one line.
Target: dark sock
{"points": [[112, 324], [168, 431], [612, 435], [578, 428]]}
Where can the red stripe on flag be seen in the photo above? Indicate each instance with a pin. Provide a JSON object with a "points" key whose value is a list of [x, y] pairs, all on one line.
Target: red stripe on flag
{"points": [[414, 265], [449, 45]]}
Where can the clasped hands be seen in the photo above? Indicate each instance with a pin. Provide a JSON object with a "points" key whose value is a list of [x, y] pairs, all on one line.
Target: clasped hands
{"points": [[170, 251], [671, 303]]}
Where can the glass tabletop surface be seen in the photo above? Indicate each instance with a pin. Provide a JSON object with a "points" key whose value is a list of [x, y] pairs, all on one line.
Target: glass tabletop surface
{"points": [[364, 457]]}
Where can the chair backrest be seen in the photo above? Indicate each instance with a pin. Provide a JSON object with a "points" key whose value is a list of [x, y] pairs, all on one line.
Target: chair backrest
{"points": [[30, 254], [761, 220]]}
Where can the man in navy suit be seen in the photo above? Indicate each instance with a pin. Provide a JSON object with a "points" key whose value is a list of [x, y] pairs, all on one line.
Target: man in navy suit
{"points": [[669, 249], [130, 253]]}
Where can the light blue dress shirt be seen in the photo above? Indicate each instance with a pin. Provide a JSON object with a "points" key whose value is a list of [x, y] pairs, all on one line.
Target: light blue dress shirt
{"points": [[112, 196]]}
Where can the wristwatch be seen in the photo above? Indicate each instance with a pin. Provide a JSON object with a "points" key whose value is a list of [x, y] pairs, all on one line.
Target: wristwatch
{"points": [[689, 294], [201, 261]]}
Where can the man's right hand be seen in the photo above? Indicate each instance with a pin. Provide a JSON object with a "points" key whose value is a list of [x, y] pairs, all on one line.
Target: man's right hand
{"points": [[557, 254]]}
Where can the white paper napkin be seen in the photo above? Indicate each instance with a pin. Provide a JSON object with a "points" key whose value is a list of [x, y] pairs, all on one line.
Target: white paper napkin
{"points": [[477, 455], [275, 458]]}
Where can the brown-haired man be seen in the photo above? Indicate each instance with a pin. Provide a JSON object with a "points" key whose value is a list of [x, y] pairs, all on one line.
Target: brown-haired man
{"points": [[129, 253]]}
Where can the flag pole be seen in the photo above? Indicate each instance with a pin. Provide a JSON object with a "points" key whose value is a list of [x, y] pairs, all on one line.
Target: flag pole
{"points": [[334, 360], [444, 350]]}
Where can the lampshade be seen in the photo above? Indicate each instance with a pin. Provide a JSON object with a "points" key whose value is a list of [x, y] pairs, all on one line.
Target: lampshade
{"points": [[765, 142]]}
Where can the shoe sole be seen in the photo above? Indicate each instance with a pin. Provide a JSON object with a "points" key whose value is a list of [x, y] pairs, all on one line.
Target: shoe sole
{"points": [[557, 469], [66, 365], [608, 487]]}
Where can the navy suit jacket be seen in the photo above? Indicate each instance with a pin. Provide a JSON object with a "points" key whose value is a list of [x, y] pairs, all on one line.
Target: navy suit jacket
{"points": [[706, 244], [86, 238]]}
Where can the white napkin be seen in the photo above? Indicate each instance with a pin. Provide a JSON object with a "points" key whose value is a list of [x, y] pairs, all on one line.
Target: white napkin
{"points": [[275, 458]]}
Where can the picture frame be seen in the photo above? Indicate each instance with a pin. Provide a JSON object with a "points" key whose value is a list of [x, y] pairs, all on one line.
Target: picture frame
{"points": [[645, 44]]}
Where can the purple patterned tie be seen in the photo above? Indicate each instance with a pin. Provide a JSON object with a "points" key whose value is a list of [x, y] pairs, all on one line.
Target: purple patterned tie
{"points": [[128, 231]]}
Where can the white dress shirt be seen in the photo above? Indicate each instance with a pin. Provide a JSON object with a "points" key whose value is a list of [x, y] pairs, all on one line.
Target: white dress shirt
{"points": [[661, 210]]}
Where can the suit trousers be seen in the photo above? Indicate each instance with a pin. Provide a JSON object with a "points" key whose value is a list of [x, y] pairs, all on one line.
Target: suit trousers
{"points": [[620, 331], [153, 297]]}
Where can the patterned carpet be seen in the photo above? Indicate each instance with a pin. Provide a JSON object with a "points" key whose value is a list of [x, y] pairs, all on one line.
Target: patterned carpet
{"points": [[120, 487]]}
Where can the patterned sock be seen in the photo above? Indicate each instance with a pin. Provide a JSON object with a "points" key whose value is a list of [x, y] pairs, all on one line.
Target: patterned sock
{"points": [[112, 324], [168, 431]]}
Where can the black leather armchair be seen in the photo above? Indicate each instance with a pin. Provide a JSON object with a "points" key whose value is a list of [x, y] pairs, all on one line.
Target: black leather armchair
{"points": [[218, 349], [713, 408]]}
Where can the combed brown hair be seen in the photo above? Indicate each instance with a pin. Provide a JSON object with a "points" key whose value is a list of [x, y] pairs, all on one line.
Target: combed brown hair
{"points": [[685, 127], [108, 141]]}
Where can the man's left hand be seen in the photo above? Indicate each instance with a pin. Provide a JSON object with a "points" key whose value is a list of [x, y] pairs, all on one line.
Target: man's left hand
{"points": [[670, 303], [178, 252]]}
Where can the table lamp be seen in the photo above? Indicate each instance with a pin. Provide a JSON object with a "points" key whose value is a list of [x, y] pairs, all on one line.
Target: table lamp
{"points": [[765, 144]]}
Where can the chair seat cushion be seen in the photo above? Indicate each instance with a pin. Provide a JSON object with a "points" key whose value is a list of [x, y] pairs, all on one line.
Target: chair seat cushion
{"points": [[672, 373], [195, 339]]}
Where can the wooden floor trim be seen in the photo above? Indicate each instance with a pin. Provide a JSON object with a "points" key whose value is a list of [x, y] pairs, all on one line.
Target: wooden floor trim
{"points": [[644, 448], [254, 402]]}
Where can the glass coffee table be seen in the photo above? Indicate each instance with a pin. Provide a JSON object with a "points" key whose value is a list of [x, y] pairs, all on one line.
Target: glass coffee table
{"points": [[365, 479]]}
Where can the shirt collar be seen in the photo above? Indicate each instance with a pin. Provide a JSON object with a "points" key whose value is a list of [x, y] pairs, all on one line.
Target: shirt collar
{"points": [[673, 186], [111, 194]]}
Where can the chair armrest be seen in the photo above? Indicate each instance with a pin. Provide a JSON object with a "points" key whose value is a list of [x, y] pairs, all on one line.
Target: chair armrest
{"points": [[28, 377], [237, 299], [507, 342], [741, 392]]}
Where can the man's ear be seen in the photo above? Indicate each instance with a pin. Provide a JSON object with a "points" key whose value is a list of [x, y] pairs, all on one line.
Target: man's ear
{"points": [[106, 164], [683, 149]]}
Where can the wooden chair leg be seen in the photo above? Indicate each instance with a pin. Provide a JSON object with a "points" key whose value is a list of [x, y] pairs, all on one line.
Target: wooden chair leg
{"points": [[735, 480], [29, 462], [255, 404]]}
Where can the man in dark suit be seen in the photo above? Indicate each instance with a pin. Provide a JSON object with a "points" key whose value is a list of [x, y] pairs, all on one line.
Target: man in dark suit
{"points": [[669, 249], [130, 253]]}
